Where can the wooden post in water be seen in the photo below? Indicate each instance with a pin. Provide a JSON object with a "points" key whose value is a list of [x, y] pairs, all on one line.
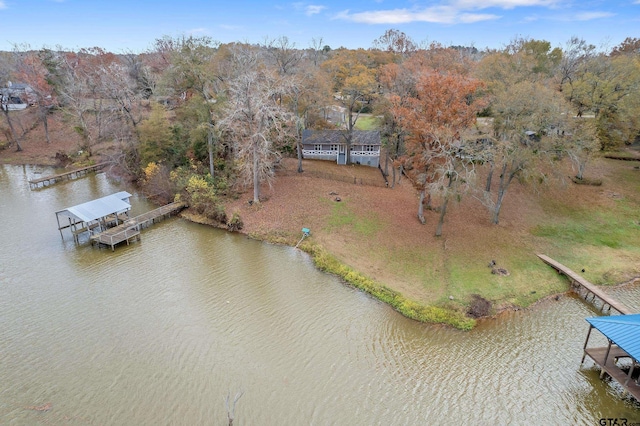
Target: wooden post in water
{"points": [[626, 382], [584, 348], [606, 357]]}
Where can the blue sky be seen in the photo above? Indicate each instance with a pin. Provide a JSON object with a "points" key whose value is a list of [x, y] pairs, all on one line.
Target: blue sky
{"points": [[133, 25]]}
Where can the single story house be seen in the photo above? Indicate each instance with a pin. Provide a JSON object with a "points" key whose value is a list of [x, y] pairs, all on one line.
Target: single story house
{"points": [[16, 96], [331, 145]]}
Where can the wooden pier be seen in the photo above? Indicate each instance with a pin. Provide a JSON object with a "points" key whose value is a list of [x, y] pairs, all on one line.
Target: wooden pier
{"points": [[130, 229], [608, 364], [73, 174], [580, 285]]}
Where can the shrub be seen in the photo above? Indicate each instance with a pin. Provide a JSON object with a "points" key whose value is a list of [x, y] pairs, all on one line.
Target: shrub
{"points": [[235, 223], [407, 307], [200, 195]]}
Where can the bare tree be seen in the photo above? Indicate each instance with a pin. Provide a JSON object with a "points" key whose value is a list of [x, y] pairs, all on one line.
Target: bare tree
{"points": [[284, 54], [525, 114], [254, 117], [581, 143], [81, 94], [317, 49], [395, 41]]}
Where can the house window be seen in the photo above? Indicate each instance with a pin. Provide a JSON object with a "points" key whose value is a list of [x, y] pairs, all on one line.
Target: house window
{"points": [[370, 148], [317, 147], [334, 147]]}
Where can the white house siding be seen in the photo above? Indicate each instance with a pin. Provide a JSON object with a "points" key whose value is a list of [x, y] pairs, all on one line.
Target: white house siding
{"points": [[366, 160], [324, 145]]}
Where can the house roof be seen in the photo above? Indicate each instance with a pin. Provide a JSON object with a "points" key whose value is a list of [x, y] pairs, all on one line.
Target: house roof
{"points": [[96, 209], [360, 137], [623, 330]]}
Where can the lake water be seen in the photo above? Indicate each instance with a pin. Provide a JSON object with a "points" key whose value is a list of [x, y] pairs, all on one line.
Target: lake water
{"points": [[161, 331]]}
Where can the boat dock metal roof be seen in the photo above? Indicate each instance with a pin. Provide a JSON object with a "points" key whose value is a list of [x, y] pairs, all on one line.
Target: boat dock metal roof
{"points": [[623, 330], [99, 208]]}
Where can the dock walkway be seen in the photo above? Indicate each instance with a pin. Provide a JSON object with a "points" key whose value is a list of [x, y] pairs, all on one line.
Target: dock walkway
{"points": [[130, 229], [607, 359], [580, 284], [73, 174]]}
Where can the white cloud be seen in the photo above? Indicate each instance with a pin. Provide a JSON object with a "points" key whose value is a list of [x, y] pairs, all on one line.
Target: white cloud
{"points": [[231, 27], [197, 31], [470, 18], [313, 9], [436, 14], [308, 9], [502, 4], [447, 12], [589, 16], [3, 5]]}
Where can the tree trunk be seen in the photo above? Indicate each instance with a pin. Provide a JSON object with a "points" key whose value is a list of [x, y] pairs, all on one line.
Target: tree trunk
{"points": [[443, 211], [256, 174], [496, 210], [386, 164], [502, 190], [210, 145], [428, 203], [350, 126], [581, 166], [421, 207], [299, 156], [487, 188], [393, 180], [14, 136]]}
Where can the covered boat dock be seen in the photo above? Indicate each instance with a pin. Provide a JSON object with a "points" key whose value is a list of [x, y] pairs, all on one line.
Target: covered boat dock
{"points": [[95, 216], [623, 336]]}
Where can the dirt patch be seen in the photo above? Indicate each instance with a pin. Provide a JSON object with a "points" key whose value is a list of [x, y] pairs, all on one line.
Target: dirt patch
{"points": [[479, 307], [64, 143]]}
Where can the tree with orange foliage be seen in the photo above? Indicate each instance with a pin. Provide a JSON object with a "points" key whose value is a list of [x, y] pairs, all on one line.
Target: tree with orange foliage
{"points": [[401, 80], [435, 117]]}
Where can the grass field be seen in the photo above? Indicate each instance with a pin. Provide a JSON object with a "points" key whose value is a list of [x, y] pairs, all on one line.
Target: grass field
{"points": [[374, 236], [367, 122]]}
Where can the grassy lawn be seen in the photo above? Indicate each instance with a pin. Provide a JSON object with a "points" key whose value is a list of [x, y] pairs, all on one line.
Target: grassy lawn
{"points": [[373, 240], [367, 122]]}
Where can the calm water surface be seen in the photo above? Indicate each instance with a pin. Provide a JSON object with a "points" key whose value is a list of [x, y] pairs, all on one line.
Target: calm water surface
{"points": [[160, 332]]}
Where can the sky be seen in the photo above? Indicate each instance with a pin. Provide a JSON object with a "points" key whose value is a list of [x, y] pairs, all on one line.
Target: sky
{"points": [[123, 26]]}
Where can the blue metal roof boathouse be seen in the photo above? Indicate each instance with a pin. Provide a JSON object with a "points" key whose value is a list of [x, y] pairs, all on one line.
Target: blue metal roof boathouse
{"points": [[623, 336]]}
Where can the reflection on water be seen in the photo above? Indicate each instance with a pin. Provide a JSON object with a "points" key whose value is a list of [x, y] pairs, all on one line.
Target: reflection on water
{"points": [[161, 331]]}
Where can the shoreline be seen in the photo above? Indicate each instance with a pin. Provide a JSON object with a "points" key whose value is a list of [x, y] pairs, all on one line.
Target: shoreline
{"points": [[451, 314], [427, 314]]}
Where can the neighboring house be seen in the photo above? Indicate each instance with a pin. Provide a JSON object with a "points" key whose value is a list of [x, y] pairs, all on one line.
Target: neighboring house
{"points": [[16, 96], [331, 145]]}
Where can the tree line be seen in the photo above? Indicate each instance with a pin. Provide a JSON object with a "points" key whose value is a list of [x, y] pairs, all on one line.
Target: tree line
{"points": [[200, 119]]}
